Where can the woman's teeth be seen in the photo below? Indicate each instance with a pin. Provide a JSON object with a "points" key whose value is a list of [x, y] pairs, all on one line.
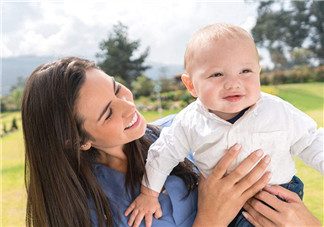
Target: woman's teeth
{"points": [[133, 121]]}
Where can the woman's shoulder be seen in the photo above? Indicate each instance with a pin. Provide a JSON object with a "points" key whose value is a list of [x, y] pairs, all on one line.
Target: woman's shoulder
{"points": [[154, 128], [165, 121]]}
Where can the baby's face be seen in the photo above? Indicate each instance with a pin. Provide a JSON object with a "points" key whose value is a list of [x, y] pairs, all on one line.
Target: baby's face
{"points": [[226, 76]]}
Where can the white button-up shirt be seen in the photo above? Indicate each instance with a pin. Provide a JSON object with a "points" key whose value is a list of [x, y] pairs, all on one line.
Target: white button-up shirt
{"points": [[272, 124]]}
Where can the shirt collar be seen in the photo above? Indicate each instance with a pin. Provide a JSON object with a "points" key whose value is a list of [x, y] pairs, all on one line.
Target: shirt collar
{"points": [[254, 108]]}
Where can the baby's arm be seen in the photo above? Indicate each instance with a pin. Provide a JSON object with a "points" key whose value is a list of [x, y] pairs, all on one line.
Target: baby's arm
{"points": [[307, 140], [163, 155], [146, 204]]}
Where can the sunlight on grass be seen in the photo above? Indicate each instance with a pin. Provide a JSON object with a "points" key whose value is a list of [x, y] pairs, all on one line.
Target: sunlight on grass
{"points": [[313, 188], [13, 193], [154, 115], [306, 97]]}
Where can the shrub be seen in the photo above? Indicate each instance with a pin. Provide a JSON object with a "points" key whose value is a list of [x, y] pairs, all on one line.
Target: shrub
{"points": [[5, 128], [278, 77], [319, 74], [14, 125], [265, 79]]}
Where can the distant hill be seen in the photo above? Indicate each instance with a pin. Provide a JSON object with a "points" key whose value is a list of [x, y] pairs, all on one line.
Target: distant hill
{"points": [[15, 67], [23, 66]]}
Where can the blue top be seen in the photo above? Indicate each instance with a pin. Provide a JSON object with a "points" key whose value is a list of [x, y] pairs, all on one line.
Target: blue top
{"points": [[176, 210]]}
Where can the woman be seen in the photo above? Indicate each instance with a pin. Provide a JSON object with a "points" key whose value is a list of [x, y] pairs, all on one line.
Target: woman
{"points": [[86, 146]]}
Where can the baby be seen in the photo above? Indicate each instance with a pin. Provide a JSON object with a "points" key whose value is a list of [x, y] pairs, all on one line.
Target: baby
{"points": [[222, 70]]}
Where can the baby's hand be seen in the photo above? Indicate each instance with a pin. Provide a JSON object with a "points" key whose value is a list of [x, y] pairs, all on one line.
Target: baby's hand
{"points": [[146, 204]]}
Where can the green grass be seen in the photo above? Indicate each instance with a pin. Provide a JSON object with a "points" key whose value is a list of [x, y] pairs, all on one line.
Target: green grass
{"points": [[13, 194], [304, 96], [154, 115], [307, 97]]}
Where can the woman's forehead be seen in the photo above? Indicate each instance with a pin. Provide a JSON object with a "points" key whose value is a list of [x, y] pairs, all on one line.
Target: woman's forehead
{"points": [[96, 91], [96, 76]]}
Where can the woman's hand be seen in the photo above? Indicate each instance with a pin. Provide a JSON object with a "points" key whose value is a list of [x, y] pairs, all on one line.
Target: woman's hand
{"points": [[291, 212], [221, 197]]}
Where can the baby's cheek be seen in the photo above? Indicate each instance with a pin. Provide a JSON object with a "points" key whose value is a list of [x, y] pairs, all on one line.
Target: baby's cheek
{"points": [[210, 102]]}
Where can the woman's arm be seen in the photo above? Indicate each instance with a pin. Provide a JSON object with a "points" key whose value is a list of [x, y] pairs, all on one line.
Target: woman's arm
{"points": [[291, 212], [221, 197]]}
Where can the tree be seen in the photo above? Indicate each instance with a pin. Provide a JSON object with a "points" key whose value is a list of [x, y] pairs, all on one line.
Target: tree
{"points": [[317, 29], [167, 84], [290, 26], [14, 125], [301, 56], [12, 101], [21, 81], [117, 56], [5, 131], [3, 102], [143, 86], [15, 98]]}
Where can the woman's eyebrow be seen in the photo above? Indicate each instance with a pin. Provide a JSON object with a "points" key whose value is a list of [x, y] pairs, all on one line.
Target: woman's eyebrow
{"points": [[114, 83]]}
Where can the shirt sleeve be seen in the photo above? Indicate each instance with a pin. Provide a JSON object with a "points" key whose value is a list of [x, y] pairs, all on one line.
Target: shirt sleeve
{"points": [[307, 140], [168, 150], [312, 154]]}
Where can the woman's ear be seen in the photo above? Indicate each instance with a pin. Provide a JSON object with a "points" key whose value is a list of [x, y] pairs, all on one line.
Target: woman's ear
{"points": [[189, 85], [86, 146]]}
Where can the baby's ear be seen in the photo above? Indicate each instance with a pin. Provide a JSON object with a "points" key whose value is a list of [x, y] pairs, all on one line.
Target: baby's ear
{"points": [[260, 68], [189, 85]]}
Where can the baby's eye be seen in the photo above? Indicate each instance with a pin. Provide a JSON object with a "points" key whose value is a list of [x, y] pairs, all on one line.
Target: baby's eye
{"points": [[246, 71], [216, 75]]}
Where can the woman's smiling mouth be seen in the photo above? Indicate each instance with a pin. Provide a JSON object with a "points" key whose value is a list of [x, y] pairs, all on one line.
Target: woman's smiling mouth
{"points": [[134, 120]]}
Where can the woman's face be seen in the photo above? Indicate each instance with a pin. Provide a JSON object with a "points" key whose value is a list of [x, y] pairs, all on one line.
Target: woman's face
{"points": [[109, 113]]}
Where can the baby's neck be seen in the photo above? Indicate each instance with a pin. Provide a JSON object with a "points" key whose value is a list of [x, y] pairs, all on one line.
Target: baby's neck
{"points": [[237, 116], [230, 117]]}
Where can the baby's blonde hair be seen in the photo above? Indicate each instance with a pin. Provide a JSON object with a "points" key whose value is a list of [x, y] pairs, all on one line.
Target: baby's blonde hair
{"points": [[212, 33]]}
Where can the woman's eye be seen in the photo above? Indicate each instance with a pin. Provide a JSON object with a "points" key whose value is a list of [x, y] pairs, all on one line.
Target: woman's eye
{"points": [[109, 115], [118, 89], [216, 75]]}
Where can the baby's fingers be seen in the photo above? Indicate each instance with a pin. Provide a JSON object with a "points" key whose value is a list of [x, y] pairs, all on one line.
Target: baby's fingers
{"points": [[139, 218], [158, 213], [129, 209], [148, 220], [132, 217]]}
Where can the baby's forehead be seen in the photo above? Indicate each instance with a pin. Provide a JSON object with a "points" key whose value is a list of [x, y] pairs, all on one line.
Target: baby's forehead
{"points": [[209, 39], [200, 47]]}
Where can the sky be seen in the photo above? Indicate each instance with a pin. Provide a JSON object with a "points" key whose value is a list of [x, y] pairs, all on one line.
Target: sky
{"points": [[61, 28]]}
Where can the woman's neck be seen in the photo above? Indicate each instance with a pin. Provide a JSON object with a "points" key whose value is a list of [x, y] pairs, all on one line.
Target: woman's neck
{"points": [[114, 162]]}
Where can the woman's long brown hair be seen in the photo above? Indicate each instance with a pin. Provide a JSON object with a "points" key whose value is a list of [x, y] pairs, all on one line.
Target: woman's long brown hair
{"points": [[59, 177]]}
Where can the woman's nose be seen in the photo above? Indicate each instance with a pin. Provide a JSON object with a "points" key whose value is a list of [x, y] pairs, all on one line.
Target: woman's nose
{"points": [[127, 106]]}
